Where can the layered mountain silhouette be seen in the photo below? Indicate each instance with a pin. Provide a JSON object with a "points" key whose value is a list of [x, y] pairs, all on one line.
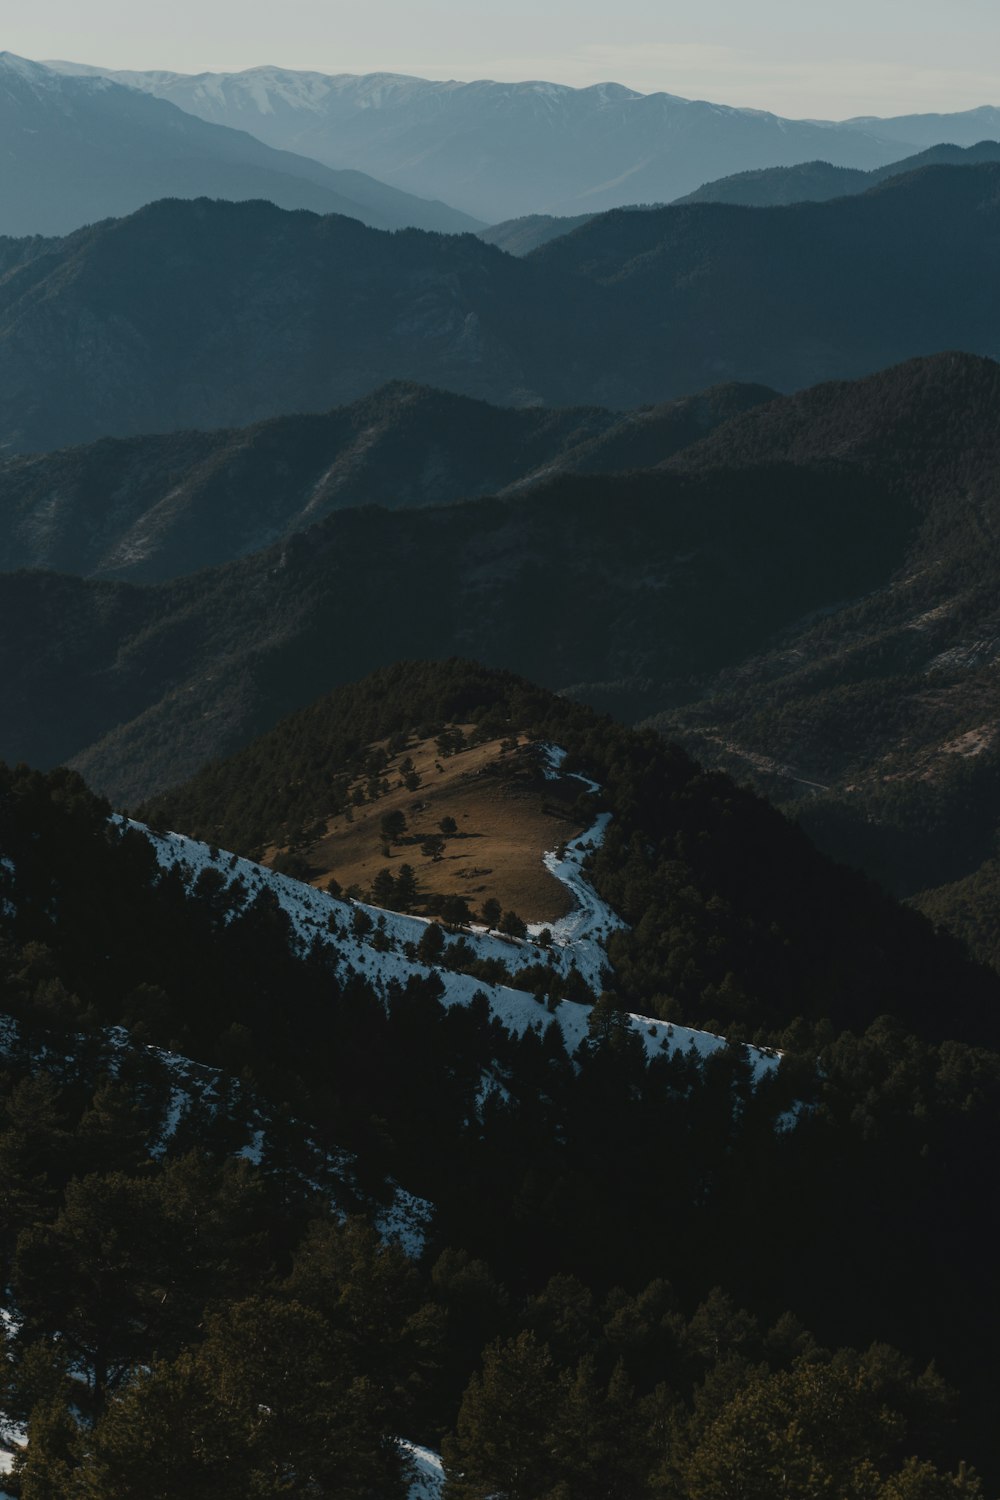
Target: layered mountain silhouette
{"points": [[521, 236], [817, 181], [216, 314], [768, 187], [80, 149], [878, 719], [150, 508], [500, 150], [807, 595], [629, 590]]}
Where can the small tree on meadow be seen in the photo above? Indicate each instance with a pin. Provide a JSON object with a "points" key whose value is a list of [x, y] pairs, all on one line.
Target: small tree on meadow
{"points": [[393, 824], [406, 887], [492, 912], [384, 888]]}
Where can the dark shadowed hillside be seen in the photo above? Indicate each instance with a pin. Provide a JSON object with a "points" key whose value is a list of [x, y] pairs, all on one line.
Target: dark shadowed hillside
{"points": [[258, 312], [878, 719], [790, 296], [521, 236], [808, 594], [817, 181], [630, 590], [766, 187], [153, 507], [196, 1086]]}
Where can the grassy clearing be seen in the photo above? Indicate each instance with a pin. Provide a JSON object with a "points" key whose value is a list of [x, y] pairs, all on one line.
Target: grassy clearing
{"points": [[507, 814]]}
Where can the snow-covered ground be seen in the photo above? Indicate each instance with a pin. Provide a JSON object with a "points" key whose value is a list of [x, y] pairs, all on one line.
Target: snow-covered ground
{"points": [[577, 940], [428, 1481], [195, 1088], [13, 1437], [584, 931]]}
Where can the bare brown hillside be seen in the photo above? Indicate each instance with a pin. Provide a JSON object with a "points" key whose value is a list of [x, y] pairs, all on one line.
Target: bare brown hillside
{"points": [[506, 814]]}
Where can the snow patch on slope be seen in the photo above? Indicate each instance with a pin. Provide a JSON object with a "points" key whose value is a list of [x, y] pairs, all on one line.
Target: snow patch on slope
{"points": [[578, 940], [428, 1472], [191, 1087], [588, 926]]}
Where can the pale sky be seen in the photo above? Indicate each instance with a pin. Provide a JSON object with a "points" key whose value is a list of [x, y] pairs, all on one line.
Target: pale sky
{"points": [[796, 57]]}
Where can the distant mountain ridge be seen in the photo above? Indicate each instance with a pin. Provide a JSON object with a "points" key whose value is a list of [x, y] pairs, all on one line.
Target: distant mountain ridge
{"points": [[818, 181], [502, 150], [80, 149], [767, 187], [257, 312], [150, 508]]}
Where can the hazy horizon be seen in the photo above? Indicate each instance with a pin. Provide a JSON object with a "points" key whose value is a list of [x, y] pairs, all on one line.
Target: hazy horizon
{"points": [[854, 61]]}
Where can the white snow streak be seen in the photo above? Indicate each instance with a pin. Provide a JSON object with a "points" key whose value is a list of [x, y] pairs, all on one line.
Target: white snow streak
{"points": [[428, 1481], [578, 940]]}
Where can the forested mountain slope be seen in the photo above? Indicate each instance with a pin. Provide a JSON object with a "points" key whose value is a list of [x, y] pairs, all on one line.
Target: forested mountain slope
{"points": [[77, 150], [286, 784], [789, 296], [878, 718], [816, 181], [728, 592], [153, 507], [628, 589], [258, 312], [522, 235], [766, 187], [566, 1186]]}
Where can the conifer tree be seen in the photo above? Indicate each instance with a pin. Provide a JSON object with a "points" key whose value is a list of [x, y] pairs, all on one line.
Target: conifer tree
{"points": [[384, 888], [492, 911], [406, 887], [34, 1155], [393, 824], [430, 949], [504, 1440], [95, 1277], [47, 1468]]}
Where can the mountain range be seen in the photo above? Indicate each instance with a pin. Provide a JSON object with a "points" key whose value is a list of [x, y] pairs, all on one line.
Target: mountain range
{"points": [[150, 508], [499, 877], [817, 181], [80, 149], [726, 597], [683, 573], [876, 719], [259, 312], [501, 150], [767, 187], [677, 575]]}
